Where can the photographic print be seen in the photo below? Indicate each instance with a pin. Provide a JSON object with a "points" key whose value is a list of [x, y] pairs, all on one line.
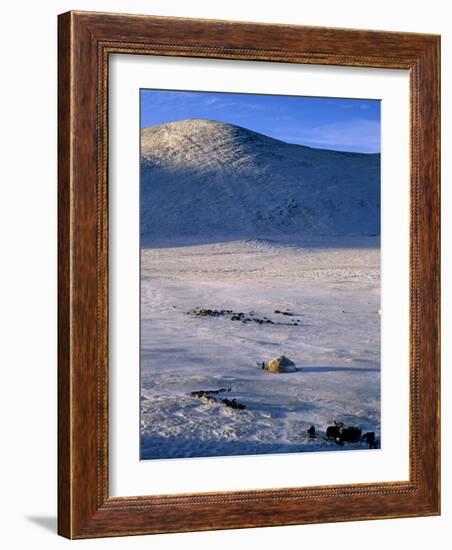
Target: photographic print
{"points": [[260, 274]]}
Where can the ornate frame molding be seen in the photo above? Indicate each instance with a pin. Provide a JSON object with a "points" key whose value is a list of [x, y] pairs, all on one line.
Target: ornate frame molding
{"points": [[85, 42]]}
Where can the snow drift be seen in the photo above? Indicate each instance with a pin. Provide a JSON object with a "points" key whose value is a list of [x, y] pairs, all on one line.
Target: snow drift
{"points": [[207, 179]]}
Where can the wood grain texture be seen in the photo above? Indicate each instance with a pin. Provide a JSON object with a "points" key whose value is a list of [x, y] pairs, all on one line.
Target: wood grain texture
{"points": [[64, 295], [85, 42]]}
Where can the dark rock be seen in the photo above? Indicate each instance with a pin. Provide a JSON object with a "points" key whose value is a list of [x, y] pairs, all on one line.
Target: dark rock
{"points": [[199, 393], [350, 435], [342, 435], [369, 438], [241, 316], [332, 432], [232, 403], [209, 395]]}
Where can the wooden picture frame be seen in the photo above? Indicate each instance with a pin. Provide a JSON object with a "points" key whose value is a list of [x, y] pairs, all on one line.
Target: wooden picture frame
{"points": [[85, 42]]}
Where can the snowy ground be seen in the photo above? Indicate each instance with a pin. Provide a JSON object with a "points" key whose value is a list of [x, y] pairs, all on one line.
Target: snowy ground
{"points": [[333, 288]]}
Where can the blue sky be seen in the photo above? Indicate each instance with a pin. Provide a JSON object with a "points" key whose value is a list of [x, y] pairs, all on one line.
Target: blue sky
{"points": [[326, 123]]}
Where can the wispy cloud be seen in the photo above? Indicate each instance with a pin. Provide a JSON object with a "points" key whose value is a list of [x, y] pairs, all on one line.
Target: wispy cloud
{"points": [[331, 123], [356, 134]]}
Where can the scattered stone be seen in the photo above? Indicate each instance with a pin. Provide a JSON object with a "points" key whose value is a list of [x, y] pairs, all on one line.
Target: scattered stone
{"points": [[332, 432], [369, 438], [200, 393], [241, 316], [350, 435], [340, 434], [233, 404], [207, 312], [209, 395], [281, 364], [311, 432]]}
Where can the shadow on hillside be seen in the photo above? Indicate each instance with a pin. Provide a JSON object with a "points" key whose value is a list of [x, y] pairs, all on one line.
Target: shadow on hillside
{"points": [[286, 241], [338, 369], [160, 448]]}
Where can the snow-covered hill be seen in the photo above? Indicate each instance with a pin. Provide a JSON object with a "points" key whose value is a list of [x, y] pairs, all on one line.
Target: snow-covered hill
{"points": [[209, 180]]}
